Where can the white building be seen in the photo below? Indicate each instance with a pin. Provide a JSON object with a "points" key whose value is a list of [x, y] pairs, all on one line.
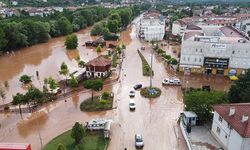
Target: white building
{"points": [[151, 27], [231, 126], [214, 50]]}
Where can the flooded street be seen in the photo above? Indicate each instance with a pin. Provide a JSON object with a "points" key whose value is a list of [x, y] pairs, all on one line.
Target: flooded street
{"points": [[156, 119]]}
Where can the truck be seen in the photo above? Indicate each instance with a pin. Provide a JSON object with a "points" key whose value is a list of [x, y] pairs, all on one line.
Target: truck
{"points": [[99, 124], [15, 146]]}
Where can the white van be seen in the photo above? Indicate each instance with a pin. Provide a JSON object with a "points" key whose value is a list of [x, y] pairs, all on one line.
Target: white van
{"points": [[168, 81], [96, 124], [131, 104]]}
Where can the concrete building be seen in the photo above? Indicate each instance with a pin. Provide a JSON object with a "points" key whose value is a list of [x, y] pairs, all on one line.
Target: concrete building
{"points": [[151, 27], [231, 126], [214, 50]]}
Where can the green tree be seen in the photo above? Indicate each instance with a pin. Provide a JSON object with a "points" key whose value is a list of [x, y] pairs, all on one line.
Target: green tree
{"points": [[126, 16], [81, 64], [64, 69], [201, 102], [33, 96], [73, 81], [106, 33], [88, 16], [116, 16], [99, 48], [61, 147], [239, 92], [25, 79], [64, 26], [113, 26], [77, 132], [71, 41], [3, 41], [19, 99], [52, 83], [94, 85]]}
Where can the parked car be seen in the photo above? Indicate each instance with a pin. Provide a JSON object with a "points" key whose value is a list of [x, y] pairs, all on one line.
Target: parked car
{"points": [[132, 93], [168, 81], [131, 104], [137, 86], [138, 141]]}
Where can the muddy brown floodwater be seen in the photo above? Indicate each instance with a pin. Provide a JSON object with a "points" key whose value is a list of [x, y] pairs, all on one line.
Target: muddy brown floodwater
{"points": [[45, 58]]}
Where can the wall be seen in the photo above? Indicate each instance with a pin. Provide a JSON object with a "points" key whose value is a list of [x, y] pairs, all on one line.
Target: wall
{"points": [[175, 29], [235, 141]]}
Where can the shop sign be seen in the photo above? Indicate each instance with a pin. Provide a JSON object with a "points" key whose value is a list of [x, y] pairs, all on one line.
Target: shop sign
{"points": [[215, 46], [210, 62]]}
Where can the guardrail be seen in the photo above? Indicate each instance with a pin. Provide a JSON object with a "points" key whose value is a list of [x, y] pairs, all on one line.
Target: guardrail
{"points": [[185, 135]]}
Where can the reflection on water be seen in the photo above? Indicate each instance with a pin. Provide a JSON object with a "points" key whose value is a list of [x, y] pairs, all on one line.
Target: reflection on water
{"points": [[32, 123], [75, 100]]}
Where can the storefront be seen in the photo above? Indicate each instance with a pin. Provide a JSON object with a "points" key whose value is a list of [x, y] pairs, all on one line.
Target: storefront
{"points": [[214, 65]]}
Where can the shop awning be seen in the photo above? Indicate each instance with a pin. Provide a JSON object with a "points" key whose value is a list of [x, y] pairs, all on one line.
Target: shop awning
{"points": [[233, 78]]}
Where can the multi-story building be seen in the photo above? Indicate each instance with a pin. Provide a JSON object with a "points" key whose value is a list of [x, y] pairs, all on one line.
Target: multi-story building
{"points": [[151, 27], [214, 50], [231, 126]]}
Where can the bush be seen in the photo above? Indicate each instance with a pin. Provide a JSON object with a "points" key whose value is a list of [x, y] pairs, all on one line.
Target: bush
{"points": [[25, 79], [160, 51], [105, 95], [111, 37], [173, 61], [71, 42], [167, 57], [73, 81], [99, 48], [103, 101]]}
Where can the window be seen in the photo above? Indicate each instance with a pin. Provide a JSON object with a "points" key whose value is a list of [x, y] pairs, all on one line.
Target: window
{"points": [[233, 52], [188, 58], [184, 58], [225, 136], [218, 130], [220, 118], [196, 50], [195, 59], [200, 60], [201, 50]]}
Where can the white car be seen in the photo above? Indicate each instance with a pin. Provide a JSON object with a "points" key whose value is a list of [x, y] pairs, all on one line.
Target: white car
{"points": [[168, 81], [138, 141], [131, 104], [131, 93]]}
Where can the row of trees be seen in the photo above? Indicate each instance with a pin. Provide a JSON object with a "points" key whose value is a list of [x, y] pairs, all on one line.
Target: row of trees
{"points": [[24, 31], [117, 20]]}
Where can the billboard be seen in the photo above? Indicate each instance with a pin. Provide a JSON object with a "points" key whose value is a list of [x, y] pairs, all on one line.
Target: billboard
{"points": [[210, 62]]}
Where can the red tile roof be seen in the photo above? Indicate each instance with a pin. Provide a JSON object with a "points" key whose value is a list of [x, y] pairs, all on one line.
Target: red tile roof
{"points": [[243, 128], [99, 61]]}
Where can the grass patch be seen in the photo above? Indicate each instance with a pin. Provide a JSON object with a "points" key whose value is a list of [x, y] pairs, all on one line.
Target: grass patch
{"points": [[146, 69], [91, 141], [96, 104], [144, 92], [114, 60]]}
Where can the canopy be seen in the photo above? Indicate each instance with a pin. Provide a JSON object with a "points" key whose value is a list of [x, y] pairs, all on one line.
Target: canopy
{"points": [[233, 78]]}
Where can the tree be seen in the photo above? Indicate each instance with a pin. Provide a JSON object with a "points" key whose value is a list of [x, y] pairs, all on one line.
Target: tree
{"points": [[115, 16], [113, 26], [71, 41], [51, 82], [3, 41], [64, 26], [126, 16], [201, 102], [19, 99], [64, 69], [239, 92], [77, 132], [81, 64], [25, 79], [61, 147], [99, 48], [73, 81], [94, 85], [33, 96]]}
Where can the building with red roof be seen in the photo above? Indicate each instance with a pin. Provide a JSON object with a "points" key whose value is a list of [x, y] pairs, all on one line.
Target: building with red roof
{"points": [[231, 125], [98, 67]]}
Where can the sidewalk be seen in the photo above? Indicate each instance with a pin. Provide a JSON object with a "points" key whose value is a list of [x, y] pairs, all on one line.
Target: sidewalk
{"points": [[202, 139]]}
